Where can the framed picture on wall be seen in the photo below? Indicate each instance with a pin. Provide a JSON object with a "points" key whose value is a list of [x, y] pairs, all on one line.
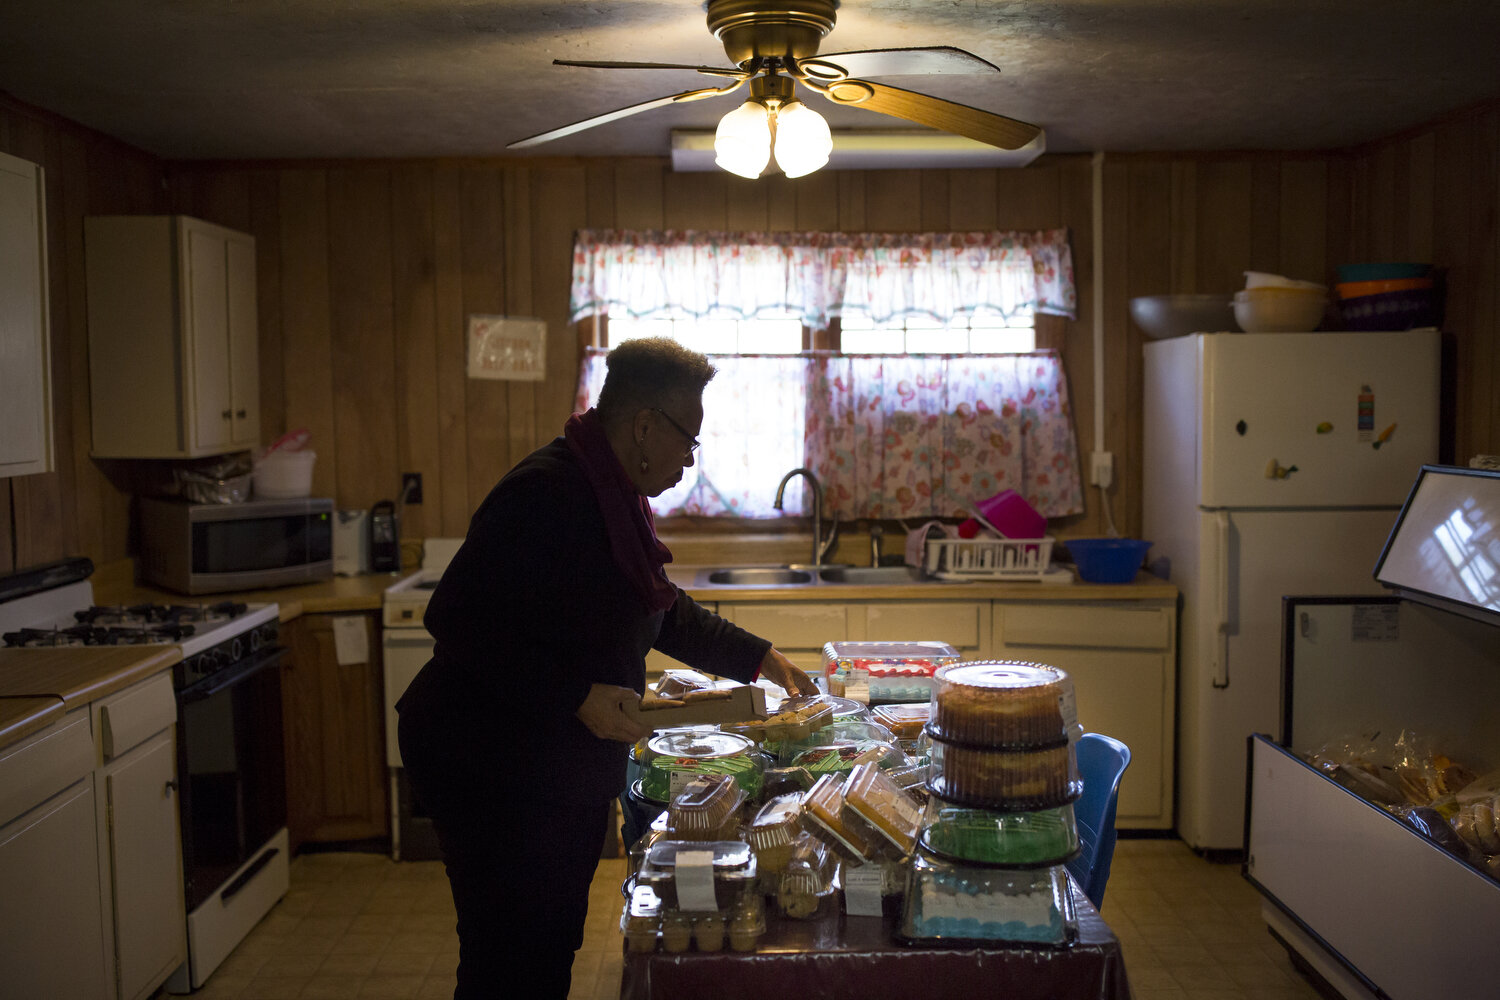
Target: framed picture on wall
{"points": [[513, 348]]}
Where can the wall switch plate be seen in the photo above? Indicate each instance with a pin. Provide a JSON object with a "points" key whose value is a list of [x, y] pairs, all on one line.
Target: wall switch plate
{"points": [[1102, 469], [411, 487]]}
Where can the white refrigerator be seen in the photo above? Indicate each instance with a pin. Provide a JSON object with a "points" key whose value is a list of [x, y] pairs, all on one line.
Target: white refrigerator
{"points": [[1274, 465]]}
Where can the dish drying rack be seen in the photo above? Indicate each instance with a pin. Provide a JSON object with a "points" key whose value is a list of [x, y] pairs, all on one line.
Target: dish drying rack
{"points": [[987, 558]]}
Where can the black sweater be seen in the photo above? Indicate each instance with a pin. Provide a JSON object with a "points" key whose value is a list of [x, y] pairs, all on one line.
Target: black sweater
{"points": [[533, 610]]}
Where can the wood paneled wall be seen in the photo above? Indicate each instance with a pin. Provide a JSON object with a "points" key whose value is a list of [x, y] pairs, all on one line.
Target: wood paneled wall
{"points": [[83, 507], [368, 270]]}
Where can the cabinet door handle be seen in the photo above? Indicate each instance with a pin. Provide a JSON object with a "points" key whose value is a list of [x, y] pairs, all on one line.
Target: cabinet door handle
{"points": [[171, 787], [225, 414], [240, 414]]}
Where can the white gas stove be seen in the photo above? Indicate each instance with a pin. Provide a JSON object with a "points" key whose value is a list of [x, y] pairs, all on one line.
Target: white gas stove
{"points": [[405, 601]]}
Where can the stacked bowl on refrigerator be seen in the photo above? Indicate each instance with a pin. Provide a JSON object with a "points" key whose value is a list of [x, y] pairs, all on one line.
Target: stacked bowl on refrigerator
{"points": [[999, 826]]}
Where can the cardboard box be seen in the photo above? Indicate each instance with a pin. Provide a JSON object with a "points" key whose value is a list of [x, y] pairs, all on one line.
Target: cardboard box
{"points": [[744, 701]]}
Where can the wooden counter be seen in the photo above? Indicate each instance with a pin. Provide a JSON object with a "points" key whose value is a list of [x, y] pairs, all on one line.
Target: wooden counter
{"points": [[80, 674], [341, 593], [20, 717], [1145, 587]]}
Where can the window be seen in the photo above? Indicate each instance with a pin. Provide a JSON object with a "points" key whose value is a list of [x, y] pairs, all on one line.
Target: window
{"points": [[930, 399]]}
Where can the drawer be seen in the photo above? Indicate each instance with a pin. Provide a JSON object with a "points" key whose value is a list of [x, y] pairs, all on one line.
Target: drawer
{"points": [[1110, 628], [44, 764], [791, 625], [140, 711], [954, 622]]}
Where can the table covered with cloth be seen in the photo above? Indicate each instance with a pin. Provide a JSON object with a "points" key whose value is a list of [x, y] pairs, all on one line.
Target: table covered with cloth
{"points": [[838, 956]]}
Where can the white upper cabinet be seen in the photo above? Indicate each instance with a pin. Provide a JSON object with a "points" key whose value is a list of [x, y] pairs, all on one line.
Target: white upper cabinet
{"points": [[25, 371], [172, 337]]}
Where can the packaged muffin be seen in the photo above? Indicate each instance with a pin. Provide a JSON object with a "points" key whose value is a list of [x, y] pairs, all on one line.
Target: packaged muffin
{"points": [[1002, 703], [876, 803], [773, 830], [708, 931], [808, 879], [641, 919], [1021, 839], [747, 922], [1007, 780], [904, 721], [676, 931], [678, 757], [823, 807], [707, 808]]}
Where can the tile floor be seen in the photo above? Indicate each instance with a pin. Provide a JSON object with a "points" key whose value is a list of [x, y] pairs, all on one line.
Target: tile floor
{"points": [[360, 925]]}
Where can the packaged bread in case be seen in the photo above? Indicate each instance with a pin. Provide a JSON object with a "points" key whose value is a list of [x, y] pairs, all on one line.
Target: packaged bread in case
{"points": [[706, 808], [1003, 703], [823, 807], [876, 803], [773, 831]]}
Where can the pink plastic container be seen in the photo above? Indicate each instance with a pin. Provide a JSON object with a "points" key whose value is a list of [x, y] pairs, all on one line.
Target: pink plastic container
{"points": [[1010, 513]]}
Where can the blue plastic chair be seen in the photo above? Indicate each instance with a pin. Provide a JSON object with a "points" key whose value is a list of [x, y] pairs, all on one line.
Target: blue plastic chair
{"points": [[1102, 761]]}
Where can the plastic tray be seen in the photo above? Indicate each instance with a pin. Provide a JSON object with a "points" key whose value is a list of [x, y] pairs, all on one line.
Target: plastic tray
{"points": [[1005, 780], [987, 558], [948, 903], [707, 808], [1035, 838], [787, 725], [839, 757], [906, 720], [733, 864]]}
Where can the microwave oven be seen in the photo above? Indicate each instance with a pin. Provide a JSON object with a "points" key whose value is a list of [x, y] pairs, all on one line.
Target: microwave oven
{"points": [[207, 548]]}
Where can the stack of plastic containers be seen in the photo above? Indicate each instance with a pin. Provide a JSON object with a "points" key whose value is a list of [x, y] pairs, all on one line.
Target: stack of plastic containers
{"points": [[999, 825]]}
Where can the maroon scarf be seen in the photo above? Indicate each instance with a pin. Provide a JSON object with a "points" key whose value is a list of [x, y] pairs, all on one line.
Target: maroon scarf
{"points": [[627, 514]]}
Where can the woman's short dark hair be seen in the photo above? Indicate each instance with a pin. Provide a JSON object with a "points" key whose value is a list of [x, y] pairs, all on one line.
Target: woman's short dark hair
{"points": [[648, 371]]}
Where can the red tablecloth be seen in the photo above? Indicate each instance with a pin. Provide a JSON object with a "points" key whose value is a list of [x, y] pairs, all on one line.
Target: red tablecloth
{"points": [[837, 956]]}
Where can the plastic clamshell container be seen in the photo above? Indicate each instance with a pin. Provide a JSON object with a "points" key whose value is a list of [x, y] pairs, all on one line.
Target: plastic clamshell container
{"points": [[905, 721], [840, 756], [747, 923], [867, 655], [843, 708], [707, 808], [823, 809], [773, 831], [677, 757], [785, 781], [1007, 780], [1019, 839], [641, 919], [786, 724], [873, 800], [957, 903], [1003, 703], [840, 733], [733, 868], [808, 879]]}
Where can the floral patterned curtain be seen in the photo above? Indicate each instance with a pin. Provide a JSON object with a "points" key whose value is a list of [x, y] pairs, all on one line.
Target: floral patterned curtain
{"points": [[919, 435], [820, 275]]}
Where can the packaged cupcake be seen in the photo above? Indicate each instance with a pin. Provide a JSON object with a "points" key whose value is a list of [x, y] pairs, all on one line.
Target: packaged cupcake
{"points": [[1002, 703], [1007, 780], [747, 922]]}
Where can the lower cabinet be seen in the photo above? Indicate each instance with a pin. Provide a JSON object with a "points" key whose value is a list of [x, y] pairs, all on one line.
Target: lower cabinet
{"points": [[334, 723], [53, 934], [1122, 657]]}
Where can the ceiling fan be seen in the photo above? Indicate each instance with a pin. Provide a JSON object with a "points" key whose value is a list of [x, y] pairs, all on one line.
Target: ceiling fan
{"points": [[773, 45]]}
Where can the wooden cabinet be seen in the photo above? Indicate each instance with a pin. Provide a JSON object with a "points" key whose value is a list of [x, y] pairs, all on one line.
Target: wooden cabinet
{"points": [[25, 369], [53, 936], [172, 337], [136, 734], [335, 732], [1123, 660]]}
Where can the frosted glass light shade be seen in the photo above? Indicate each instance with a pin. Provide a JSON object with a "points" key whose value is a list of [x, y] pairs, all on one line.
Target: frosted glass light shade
{"points": [[803, 141], [742, 143]]}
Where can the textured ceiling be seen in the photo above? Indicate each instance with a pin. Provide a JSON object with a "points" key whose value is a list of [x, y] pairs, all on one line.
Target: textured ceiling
{"points": [[193, 79]]}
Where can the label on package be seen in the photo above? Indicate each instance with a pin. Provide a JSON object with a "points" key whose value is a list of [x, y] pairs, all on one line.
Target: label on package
{"points": [[676, 781], [862, 890], [694, 874], [1375, 623], [857, 686]]}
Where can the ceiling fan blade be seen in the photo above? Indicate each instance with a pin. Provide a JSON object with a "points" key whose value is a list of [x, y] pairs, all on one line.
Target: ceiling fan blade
{"points": [[928, 61], [617, 114], [949, 116], [729, 71]]}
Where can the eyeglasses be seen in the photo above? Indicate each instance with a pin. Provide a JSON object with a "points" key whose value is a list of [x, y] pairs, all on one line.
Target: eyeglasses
{"points": [[693, 442]]}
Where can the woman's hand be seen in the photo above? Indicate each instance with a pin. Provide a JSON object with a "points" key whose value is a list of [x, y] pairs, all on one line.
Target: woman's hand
{"points": [[779, 670], [603, 711]]}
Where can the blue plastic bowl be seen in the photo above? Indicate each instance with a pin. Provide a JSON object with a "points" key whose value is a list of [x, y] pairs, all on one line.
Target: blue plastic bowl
{"points": [[1382, 271], [1107, 560]]}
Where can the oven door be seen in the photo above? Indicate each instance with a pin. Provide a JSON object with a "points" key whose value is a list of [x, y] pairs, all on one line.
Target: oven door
{"points": [[231, 767]]}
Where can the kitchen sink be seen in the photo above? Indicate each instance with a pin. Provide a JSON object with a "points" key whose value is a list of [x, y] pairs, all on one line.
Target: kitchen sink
{"points": [[763, 576], [871, 574]]}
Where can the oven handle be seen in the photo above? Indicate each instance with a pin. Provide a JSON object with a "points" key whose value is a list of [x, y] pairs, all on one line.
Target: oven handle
{"points": [[268, 656]]}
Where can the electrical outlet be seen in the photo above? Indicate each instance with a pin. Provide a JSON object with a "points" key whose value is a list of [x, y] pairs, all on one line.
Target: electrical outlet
{"points": [[411, 487], [1102, 469]]}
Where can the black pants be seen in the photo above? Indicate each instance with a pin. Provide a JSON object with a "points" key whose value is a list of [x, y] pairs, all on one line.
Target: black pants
{"points": [[519, 866]]}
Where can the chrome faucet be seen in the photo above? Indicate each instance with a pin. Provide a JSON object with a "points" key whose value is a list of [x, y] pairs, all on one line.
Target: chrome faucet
{"points": [[820, 544]]}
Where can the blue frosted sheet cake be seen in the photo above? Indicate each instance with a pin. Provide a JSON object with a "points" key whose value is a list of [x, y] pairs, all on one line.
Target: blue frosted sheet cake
{"points": [[953, 902]]}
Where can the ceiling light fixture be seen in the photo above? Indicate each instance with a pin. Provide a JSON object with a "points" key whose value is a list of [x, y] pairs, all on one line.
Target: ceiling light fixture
{"points": [[773, 119]]}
